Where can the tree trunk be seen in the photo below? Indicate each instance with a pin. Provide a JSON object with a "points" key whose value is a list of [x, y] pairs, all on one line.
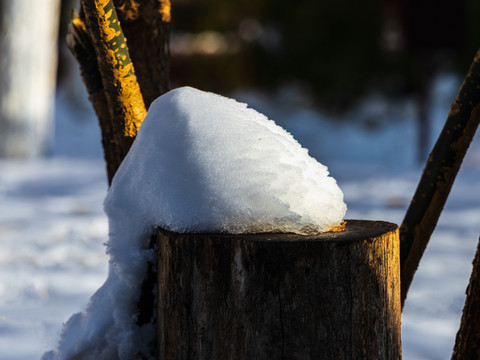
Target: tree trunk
{"points": [[467, 344], [80, 44], [150, 53], [28, 65], [120, 94], [280, 296], [122, 91]]}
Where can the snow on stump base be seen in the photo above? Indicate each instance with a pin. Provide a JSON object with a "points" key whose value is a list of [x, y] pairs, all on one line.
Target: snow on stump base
{"points": [[280, 296]]}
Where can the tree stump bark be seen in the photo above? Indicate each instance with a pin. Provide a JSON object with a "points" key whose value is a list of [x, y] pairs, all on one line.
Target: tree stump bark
{"points": [[280, 296]]}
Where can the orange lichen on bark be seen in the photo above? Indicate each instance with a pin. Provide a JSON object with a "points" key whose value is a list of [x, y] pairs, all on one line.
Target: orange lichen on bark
{"points": [[79, 23], [127, 89], [130, 9], [337, 228], [165, 8]]}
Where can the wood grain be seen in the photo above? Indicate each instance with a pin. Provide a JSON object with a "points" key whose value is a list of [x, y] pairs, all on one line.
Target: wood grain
{"points": [[280, 296]]}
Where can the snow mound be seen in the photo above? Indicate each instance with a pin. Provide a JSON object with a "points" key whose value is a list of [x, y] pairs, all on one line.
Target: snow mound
{"points": [[200, 163], [207, 163]]}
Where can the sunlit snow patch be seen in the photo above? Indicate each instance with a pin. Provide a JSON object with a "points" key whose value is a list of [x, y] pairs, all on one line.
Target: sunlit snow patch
{"points": [[200, 163], [203, 162]]}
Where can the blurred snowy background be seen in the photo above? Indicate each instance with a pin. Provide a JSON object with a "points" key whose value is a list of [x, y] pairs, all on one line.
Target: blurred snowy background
{"points": [[52, 225]]}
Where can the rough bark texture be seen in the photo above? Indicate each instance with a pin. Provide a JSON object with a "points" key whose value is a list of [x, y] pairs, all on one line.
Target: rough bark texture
{"points": [[122, 91], [439, 174], [150, 52], [280, 296], [467, 343], [80, 44], [107, 65]]}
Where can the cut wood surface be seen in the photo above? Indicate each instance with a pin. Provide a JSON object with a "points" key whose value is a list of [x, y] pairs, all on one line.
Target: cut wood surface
{"points": [[280, 296]]}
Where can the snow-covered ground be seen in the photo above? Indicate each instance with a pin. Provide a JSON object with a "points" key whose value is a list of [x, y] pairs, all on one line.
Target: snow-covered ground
{"points": [[52, 226]]}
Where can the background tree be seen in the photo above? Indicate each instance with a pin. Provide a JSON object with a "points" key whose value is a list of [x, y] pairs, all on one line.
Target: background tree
{"points": [[28, 64]]}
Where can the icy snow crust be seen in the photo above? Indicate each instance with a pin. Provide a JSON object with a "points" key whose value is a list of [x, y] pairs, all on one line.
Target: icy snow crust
{"points": [[203, 162], [200, 163]]}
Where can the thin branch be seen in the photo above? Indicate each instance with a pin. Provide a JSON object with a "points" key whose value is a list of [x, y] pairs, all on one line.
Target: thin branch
{"points": [[439, 174]]}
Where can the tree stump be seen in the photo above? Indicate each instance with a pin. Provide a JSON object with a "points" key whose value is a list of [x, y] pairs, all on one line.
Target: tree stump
{"points": [[280, 296]]}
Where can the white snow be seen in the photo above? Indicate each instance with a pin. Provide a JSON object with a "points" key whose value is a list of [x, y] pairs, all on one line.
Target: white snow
{"points": [[52, 227], [206, 163], [200, 163]]}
